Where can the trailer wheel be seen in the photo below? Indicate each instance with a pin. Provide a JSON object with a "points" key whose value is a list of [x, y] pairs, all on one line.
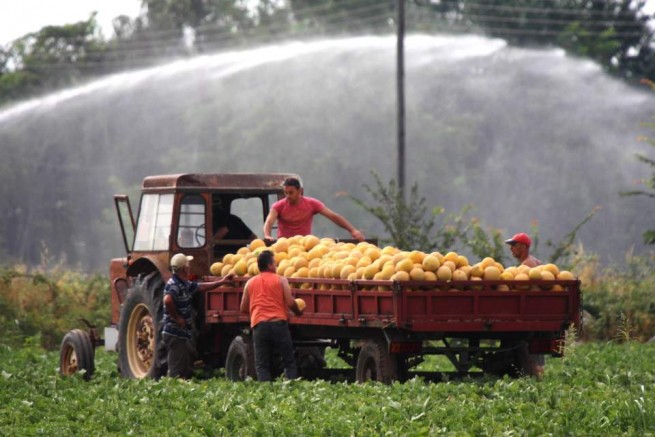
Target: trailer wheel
{"points": [[141, 352], [374, 363], [240, 360], [77, 354], [513, 360]]}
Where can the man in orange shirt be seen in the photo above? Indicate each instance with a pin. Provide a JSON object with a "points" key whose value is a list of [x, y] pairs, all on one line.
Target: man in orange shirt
{"points": [[267, 298]]}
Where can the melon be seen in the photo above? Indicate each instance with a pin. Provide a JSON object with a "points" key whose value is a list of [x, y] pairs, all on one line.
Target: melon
{"points": [[565, 275], [430, 263], [301, 304], [444, 273], [491, 273], [216, 268], [256, 244], [417, 274], [406, 265], [400, 276]]}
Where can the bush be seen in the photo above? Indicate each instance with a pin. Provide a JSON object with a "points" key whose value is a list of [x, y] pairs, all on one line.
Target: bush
{"points": [[48, 304]]}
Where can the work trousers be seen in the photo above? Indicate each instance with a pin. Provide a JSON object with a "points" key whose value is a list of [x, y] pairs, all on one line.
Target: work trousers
{"points": [[270, 337], [181, 356]]}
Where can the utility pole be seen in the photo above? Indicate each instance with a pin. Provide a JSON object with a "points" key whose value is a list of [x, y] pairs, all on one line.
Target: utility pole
{"points": [[400, 86]]}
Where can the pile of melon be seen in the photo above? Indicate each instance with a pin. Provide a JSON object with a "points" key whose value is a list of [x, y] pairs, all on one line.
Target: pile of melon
{"points": [[324, 258]]}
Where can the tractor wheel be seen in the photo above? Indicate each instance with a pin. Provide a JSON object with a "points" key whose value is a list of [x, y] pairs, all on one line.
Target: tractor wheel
{"points": [[240, 360], [374, 363], [77, 354], [141, 352]]}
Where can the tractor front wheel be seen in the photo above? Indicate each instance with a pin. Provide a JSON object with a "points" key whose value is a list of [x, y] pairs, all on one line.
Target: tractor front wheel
{"points": [[77, 354]]}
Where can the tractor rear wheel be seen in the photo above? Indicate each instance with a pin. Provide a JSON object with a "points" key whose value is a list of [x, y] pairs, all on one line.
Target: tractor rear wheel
{"points": [[77, 354], [141, 352]]}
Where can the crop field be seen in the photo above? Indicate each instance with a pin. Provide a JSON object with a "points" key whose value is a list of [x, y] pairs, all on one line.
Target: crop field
{"points": [[598, 389]]}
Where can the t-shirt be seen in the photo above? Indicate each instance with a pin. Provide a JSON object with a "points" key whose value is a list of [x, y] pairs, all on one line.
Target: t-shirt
{"points": [[266, 298], [182, 293], [296, 219]]}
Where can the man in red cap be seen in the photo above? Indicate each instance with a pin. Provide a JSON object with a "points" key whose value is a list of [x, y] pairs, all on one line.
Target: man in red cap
{"points": [[520, 247]]}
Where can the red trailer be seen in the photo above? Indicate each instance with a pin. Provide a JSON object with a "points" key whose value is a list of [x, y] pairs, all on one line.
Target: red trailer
{"points": [[384, 334]]}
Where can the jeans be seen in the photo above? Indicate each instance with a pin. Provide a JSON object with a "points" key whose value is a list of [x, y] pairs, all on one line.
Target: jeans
{"points": [[269, 337], [181, 355]]}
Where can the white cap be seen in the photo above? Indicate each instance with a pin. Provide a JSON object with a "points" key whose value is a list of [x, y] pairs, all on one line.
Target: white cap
{"points": [[180, 260]]}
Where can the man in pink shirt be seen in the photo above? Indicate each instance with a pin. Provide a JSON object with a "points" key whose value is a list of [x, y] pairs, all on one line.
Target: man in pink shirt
{"points": [[295, 213]]}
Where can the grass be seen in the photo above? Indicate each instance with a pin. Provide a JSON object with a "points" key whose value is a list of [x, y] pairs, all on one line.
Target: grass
{"points": [[600, 389]]}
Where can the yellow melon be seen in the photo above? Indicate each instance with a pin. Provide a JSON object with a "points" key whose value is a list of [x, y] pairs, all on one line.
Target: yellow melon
{"points": [[227, 259], [417, 274], [444, 273], [430, 276], [281, 245], [226, 269], [253, 269], [535, 274], [450, 264], [256, 244], [462, 261], [460, 275], [370, 271], [565, 275], [507, 275], [416, 256], [310, 241], [216, 268], [241, 268], [289, 271], [477, 271], [400, 275], [302, 272], [387, 272], [430, 263], [552, 268], [406, 265], [486, 262], [301, 304], [491, 273]]}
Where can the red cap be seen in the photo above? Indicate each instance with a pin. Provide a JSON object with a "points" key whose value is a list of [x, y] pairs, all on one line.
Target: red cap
{"points": [[520, 238]]}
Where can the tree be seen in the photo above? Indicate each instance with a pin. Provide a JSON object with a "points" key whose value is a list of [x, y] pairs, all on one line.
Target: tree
{"points": [[649, 183]]}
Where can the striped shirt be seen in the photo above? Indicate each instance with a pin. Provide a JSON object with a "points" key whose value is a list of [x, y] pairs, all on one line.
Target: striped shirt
{"points": [[182, 293]]}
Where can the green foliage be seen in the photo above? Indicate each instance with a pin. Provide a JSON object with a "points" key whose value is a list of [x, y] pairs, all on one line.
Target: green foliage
{"points": [[604, 389], [48, 304], [649, 183], [405, 221], [619, 301]]}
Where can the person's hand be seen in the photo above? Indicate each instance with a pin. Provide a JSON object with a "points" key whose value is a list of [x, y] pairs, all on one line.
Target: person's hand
{"points": [[268, 238], [356, 234], [229, 277]]}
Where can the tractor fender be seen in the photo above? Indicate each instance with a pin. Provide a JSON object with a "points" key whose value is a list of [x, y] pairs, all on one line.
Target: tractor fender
{"points": [[148, 264]]}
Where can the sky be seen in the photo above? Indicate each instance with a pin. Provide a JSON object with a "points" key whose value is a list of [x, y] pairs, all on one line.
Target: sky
{"points": [[19, 17]]}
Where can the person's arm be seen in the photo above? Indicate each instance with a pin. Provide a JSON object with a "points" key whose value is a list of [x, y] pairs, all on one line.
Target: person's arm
{"points": [[288, 297], [268, 224], [245, 301], [206, 286], [169, 303], [340, 220], [221, 233]]}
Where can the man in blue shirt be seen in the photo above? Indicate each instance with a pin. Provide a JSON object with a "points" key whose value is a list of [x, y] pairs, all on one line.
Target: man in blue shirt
{"points": [[179, 315]]}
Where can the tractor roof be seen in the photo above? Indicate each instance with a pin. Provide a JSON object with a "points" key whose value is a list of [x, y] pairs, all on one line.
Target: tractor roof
{"points": [[268, 182]]}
